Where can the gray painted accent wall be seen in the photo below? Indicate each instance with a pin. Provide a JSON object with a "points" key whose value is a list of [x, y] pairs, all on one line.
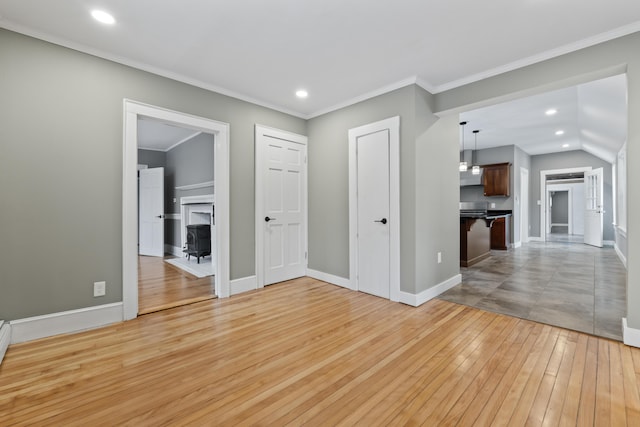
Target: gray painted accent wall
{"points": [[61, 127], [602, 60], [152, 158], [566, 160], [429, 192], [560, 207]]}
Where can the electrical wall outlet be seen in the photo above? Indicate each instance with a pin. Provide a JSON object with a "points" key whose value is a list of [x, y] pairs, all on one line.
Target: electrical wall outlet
{"points": [[99, 289], [439, 257]]}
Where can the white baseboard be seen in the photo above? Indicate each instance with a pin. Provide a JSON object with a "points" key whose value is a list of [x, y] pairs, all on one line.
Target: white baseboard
{"points": [[535, 239], [5, 339], [329, 278], [630, 336], [173, 250], [608, 243], [623, 258], [65, 322], [428, 294], [237, 286], [516, 245]]}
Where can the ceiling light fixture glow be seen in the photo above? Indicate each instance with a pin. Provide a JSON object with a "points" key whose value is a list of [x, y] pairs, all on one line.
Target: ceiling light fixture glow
{"points": [[565, 145], [559, 132], [302, 93], [104, 17], [551, 111]]}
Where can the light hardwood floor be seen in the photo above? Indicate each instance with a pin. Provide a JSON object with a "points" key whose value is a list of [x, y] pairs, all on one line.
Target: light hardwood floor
{"points": [[308, 353], [162, 285]]}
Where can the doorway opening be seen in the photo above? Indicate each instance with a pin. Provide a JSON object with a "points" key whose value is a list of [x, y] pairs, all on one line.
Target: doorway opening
{"points": [[176, 264], [133, 112]]}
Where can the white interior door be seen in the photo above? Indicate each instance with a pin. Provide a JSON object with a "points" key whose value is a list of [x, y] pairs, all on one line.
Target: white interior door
{"points": [[594, 207], [151, 212], [372, 153], [281, 192]]}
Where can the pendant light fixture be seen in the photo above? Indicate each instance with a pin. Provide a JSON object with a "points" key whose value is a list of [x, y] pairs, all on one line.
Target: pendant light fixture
{"points": [[475, 169], [463, 165]]}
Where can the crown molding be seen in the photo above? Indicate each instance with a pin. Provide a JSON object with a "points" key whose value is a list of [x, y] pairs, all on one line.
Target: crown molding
{"points": [[549, 54], [11, 26]]}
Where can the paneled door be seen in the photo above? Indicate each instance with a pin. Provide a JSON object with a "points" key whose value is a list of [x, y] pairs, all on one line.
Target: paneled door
{"points": [[281, 205], [594, 209], [151, 212]]}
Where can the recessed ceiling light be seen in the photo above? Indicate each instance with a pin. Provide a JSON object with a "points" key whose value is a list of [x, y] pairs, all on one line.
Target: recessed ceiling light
{"points": [[565, 145], [104, 17], [302, 93], [551, 111], [559, 132]]}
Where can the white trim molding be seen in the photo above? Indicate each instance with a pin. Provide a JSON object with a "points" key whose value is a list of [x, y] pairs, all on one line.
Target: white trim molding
{"points": [[5, 338], [631, 336], [33, 328], [329, 278], [623, 259], [173, 250], [244, 284], [417, 300], [535, 239], [196, 186], [516, 245]]}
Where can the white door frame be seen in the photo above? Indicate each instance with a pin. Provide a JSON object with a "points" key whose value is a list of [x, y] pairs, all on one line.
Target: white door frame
{"points": [[220, 130], [393, 124], [524, 205], [543, 194], [260, 195]]}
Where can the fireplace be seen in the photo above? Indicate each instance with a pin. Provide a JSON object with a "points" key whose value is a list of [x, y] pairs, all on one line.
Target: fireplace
{"points": [[198, 241]]}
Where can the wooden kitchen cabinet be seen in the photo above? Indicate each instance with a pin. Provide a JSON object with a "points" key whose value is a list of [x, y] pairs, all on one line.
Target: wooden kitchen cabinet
{"points": [[496, 179], [500, 233]]}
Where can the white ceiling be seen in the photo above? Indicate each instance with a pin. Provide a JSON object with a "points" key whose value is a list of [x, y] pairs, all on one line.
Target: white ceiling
{"points": [[344, 51], [593, 117], [340, 51], [158, 136]]}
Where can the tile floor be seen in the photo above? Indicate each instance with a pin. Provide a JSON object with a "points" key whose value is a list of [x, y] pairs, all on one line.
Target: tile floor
{"points": [[570, 285]]}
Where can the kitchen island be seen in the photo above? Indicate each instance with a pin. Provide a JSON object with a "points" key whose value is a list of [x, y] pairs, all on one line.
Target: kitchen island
{"points": [[476, 234]]}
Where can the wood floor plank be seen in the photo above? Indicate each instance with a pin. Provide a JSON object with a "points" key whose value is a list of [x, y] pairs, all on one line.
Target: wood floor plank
{"points": [[588, 397], [603, 386], [308, 353], [571, 400]]}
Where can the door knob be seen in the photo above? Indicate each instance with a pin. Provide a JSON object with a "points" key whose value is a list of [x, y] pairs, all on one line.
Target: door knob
{"points": [[267, 219], [383, 220], [160, 216]]}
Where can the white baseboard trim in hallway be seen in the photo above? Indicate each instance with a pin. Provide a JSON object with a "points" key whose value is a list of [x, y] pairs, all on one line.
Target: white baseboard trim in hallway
{"points": [[173, 250], [623, 259], [245, 284], [630, 336], [329, 278], [5, 338], [65, 322], [428, 294]]}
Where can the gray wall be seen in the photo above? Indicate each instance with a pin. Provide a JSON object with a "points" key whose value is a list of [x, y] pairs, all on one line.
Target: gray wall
{"points": [[565, 160], [429, 189], [61, 126], [602, 60], [152, 158], [189, 163], [560, 207]]}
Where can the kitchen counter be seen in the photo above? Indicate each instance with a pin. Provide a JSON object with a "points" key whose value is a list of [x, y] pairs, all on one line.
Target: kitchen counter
{"points": [[476, 235]]}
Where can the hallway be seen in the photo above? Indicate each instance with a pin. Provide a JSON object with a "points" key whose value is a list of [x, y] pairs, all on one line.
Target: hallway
{"points": [[572, 286]]}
